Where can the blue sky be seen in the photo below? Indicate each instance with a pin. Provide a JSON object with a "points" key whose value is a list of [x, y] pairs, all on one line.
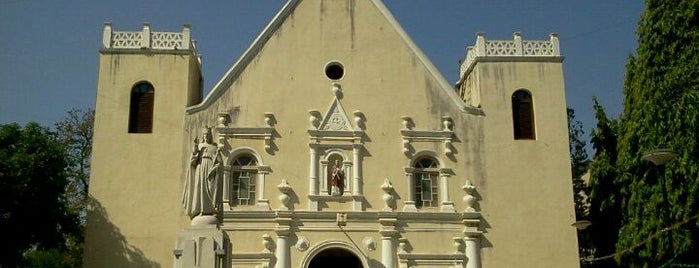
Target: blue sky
{"points": [[49, 49]]}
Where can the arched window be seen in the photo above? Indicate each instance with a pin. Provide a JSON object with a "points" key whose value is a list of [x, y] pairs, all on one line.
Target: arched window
{"points": [[523, 115], [141, 110], [426, 185], [243, 184]]}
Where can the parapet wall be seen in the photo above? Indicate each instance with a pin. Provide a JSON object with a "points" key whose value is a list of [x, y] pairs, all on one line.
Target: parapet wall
{"points": [[147, 39]]}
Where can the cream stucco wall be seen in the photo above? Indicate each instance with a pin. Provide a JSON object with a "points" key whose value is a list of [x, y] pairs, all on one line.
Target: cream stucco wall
{"points": [[383, 79], [135, 178], [528, 201]]}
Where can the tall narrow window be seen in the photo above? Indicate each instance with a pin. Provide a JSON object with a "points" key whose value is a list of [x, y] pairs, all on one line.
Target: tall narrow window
{"points": [[243, 184], [426, 185], [141, 111], [523, 115]]}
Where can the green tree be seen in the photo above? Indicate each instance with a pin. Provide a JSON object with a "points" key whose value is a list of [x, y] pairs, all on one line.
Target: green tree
{"points": [[604, 190], [75, 135], [579, 164], [33, 214], [661, 110]]}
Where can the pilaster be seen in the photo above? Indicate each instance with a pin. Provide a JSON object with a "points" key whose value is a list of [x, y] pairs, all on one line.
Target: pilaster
{"points": [[409, 205], [388, 240], [472, 239], [283, 231]]}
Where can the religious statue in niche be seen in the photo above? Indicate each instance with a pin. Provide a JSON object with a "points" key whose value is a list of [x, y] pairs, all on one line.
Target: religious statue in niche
{"points": [[201, 194], [337, 180]]}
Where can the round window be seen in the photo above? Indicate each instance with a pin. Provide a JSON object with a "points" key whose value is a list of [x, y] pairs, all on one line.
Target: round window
{"points": [[334, 71]]}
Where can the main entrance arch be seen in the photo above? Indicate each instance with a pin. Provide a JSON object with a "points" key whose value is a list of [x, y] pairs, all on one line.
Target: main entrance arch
{"points": [[334, 254], [336, 258]]}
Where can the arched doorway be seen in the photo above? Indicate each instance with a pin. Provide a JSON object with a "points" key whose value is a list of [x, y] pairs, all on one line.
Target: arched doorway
{"points": [[336, 258]]}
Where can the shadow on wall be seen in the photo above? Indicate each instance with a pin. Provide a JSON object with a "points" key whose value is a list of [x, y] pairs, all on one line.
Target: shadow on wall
{"points": [[106, 246]]}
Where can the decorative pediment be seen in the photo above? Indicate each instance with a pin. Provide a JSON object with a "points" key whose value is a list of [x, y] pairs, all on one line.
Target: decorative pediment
{"points": [[336, 118], [335, 125]]}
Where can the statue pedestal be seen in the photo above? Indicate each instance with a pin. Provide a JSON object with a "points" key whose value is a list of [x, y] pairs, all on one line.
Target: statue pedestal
{"points": [[202, 245]]}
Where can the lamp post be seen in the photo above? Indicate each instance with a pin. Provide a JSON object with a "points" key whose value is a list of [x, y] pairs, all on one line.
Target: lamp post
{"points": [[583, 250], [660, 157]]}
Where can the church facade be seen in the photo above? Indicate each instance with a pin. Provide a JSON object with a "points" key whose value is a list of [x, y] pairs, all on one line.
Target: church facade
{"points": [[333, 141]]}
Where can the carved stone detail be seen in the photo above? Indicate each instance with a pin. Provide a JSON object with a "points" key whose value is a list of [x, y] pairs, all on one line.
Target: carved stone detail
{"points": [[444, 136], [509, 48], [469, 198], [387, 187], [223, 119], [260, 133], [369, 243], [359, 120], [267, 243], [284, 197], [302, 244], [269, 119], [314, 119], [332, 134], [147, 39], [336, 119], [459, 246], [402, 245]]}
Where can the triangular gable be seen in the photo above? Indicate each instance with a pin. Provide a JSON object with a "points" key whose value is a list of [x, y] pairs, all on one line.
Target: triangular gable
{"points": [[287, 11], [336, 118]]}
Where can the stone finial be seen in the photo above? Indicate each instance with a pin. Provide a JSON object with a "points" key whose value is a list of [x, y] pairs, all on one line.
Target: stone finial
{"points": [[447, 123], [337, 89], [107, 35], [269, 119], [469, 198], [359, 120], [145, 36], [553, 38], [187, 42], [407, 122], [314, 119], [387, 188], [223, 119], [284, 197]]}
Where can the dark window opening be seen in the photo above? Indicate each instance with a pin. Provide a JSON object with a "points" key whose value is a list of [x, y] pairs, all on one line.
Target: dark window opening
{"points": [[141, 110], [244, 183], [523, 115], [334, 71], [426, 185]]}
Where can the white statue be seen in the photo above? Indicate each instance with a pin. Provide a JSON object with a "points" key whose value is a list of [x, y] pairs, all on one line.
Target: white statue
{"points": [[201, 194]]}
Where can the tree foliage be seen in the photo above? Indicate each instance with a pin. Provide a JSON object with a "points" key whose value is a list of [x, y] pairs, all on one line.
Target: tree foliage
{"points": [[33, 214], [578, 162], [75, 135], [604, 191], [661, 110]]}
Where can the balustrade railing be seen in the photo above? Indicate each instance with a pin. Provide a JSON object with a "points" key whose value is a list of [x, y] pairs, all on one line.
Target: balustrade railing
{"points": [[146, 39], [509, 48]]}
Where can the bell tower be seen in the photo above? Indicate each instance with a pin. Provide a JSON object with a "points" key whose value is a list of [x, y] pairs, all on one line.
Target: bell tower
{"points": [[519, 86], [146, 80]]}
